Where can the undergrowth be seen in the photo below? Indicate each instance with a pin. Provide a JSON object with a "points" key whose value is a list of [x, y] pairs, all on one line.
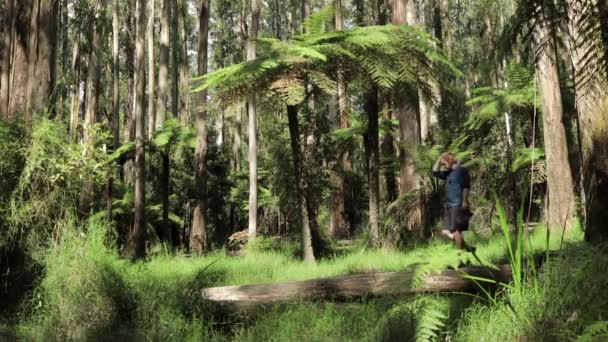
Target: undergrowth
{"points": [[89, 292]]}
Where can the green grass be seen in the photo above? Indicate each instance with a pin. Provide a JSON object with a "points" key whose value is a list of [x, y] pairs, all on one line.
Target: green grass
{"points": [[88, 292]]}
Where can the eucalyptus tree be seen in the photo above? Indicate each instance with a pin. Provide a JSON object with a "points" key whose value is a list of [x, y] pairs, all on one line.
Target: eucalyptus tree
{"points": [[252, 126], [406, 108], [198, 237], [540, 20], [139, 226], [5, 60], [151, 71]]}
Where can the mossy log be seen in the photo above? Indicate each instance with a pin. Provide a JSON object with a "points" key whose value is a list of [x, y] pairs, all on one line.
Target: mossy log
{"points": [[354, 286]]}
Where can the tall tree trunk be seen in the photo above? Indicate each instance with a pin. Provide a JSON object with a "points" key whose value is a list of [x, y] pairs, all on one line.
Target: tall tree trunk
{"points": [[41, 57], [184, 68], [139, 225], [161, 114], [339, 224], [387, 145], [371, 108], [115, 74], [561, 211], [5, 66], [151, 73], [198, 238], [175, 59], [305, 12], [19, 56], [75, 88], [163, 70], [409, 131], [294, 133], [87, 192], [252, 127], [590, 75], [128, 130], [238, 139]]}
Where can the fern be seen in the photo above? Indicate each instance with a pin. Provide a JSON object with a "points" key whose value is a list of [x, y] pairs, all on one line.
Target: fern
{"points": [[431, 321], [597, 331]]}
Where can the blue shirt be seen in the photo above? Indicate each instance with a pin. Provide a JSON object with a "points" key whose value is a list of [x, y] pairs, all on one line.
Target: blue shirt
{"points": [[457, 179]]}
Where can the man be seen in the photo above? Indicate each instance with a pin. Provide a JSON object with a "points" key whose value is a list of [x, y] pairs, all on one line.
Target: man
{"points": [[457, 213]]}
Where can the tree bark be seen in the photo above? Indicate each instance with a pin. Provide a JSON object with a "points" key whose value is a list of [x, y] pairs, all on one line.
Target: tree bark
{"points": [[185, 114], [128, 130], [589, 64], [115, 74], [252, 126], [409, 131], [139, 225], [75, 88], [6, 53], [339, 224], [371, 108], [175, 59], [41, 57], [354, 286], [561, 197], [294, 134], [87, 192], [151, 72], [163, 70], [198, 237]]}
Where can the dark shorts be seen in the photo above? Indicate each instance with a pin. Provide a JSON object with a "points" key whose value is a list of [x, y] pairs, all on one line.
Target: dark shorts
{"points": [[456, 219]]}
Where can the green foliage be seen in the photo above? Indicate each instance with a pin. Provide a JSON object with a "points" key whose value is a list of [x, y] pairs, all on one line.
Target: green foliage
{"points": [[519, 93], [50, 181]]}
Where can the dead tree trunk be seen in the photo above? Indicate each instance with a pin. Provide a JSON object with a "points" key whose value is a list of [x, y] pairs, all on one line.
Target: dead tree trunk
{"points": [[243, 297]]}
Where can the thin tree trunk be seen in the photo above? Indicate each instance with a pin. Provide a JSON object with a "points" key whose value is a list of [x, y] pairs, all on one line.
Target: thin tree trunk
{"points": [[75, 88], [589, 63], [198, 238], [252, 127], [161, 115], [163, 71], [139, 225], [175, 59], [184, 69], [339, 222], [238, 139], [151, 73], [128, 130], [561, 198], [93, 75], [115, 74], [5, 67], [371, 108], [294, 133]]}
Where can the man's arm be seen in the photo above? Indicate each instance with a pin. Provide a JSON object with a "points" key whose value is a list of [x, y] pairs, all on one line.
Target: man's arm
{"points": [[437, 172]]}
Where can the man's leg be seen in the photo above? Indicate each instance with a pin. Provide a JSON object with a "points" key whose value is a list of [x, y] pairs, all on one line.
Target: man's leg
{"points": [[459, 240]]}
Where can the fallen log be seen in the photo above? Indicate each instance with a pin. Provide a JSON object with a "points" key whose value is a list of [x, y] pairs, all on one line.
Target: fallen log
{"points": [[353, 286]]}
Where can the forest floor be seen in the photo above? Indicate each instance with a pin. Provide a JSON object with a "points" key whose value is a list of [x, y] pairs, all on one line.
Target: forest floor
{"points": [[89, 293]]}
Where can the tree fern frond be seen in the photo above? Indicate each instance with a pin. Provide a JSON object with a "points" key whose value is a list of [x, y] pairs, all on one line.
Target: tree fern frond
{"points": [[318, 22]]}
